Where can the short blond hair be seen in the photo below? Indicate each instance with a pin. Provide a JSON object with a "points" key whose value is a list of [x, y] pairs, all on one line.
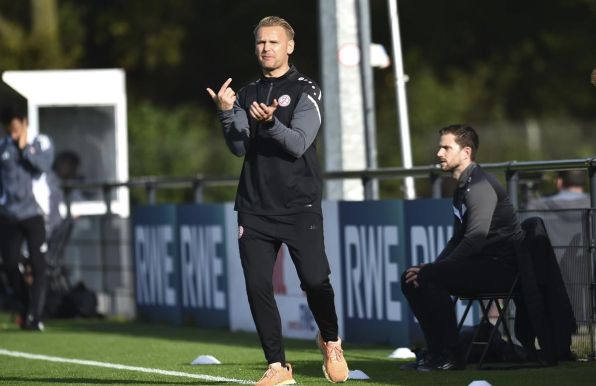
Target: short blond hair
{"points": [[275, 21]]}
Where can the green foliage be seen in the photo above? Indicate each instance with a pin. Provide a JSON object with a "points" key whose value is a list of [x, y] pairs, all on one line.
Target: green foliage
{"points": [[139, 36], [12, 37], [39, 34], [517, 71], [72, 33], [184, 141]]}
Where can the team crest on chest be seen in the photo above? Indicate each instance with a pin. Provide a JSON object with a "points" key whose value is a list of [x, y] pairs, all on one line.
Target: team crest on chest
{"points": [[284, 100]]}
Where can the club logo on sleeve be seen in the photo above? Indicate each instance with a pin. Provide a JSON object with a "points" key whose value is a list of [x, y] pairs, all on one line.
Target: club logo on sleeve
{"points": [[284, 100]]}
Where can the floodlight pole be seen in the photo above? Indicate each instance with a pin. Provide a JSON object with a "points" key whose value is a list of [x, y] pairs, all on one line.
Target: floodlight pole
{"points": [[371, 188], [402, 107]]}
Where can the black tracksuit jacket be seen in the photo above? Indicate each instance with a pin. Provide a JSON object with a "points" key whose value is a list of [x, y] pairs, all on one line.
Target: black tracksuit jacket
{"points": [[485, 223], [281, 173]]}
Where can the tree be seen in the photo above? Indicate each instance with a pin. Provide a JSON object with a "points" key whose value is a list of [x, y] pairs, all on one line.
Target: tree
{"points": [[518, 71], [30, 36]]}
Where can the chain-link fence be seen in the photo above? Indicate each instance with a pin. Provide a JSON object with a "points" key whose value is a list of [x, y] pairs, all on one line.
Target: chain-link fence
{"points": [[98, 254], [571, 233]]}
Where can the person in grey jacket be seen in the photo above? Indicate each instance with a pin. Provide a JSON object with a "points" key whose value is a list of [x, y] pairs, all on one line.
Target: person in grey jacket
{"points": [[480, 257], [21, 217]]}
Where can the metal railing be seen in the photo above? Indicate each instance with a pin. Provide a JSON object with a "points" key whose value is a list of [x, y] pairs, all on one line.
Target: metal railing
{"points": [[511, 169]]}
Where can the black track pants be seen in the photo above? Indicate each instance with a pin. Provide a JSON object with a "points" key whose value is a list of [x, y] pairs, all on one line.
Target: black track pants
{"points": [[260, 238], [431, 302], [12, 234]]}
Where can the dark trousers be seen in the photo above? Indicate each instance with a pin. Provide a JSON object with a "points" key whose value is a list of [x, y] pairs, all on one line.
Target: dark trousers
{"points": [[260, 238], [432, 304], [12, 234]]}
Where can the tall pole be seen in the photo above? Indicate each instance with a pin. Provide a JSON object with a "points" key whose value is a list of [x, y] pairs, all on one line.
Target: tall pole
{"points": [[344, 136], [402, 106], [371, 188]]}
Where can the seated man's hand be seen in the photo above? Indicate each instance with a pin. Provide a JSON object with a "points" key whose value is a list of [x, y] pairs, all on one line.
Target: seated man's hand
{"points": [[412, 275]]}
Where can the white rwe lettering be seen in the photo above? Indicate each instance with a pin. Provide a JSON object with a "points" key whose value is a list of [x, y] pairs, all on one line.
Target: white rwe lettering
{"points": [[201, 266], [393, 307], [154, 265], [371, 271], [373, 266], [353, 269], [428, 242]]}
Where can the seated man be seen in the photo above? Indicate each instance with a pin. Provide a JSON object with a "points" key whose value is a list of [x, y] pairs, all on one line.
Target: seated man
{"points": [[480, 257]]}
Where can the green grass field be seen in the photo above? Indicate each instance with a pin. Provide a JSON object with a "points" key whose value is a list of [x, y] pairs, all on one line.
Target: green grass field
{"points": [[173, 348]]}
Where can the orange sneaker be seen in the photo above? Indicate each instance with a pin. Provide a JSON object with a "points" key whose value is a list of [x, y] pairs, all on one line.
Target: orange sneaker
{"points": [[335, 366], [277, 375]]}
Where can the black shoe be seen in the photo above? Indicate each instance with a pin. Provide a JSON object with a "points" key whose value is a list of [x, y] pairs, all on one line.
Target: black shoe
{"points": [[32, 324], [444, 363], [423, 357]]}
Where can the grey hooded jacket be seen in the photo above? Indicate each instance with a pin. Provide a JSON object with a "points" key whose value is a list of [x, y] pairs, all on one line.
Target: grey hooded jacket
{"points": [[18, 170]]}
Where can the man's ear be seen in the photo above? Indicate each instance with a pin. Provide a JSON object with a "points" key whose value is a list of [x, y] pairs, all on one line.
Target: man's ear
{"points": [[290, 47]]}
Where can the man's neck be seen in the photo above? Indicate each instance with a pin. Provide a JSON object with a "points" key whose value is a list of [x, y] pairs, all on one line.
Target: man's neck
{"points": [[457, 172], [574, 189], [276, 73]]}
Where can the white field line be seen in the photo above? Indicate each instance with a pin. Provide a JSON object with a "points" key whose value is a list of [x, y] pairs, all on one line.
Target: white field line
{"points": [[18, 354]]}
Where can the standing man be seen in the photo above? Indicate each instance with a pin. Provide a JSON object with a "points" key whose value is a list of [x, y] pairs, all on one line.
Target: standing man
{"points": [[21, 217], [480, 257], [273, 123]]}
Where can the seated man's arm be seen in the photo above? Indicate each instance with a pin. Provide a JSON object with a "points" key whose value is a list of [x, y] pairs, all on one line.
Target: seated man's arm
{"points": [[453, 241], [480, 202]]}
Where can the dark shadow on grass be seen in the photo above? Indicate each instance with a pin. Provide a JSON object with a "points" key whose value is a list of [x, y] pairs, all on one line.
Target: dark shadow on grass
{"points": [[170, 332], [155, 330], [509, 366]]}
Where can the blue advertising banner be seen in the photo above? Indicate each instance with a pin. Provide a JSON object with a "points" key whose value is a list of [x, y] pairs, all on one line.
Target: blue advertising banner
{"points": [[203, 270], [372, 248], [429, 226], [187, 267], [157, 268]]}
